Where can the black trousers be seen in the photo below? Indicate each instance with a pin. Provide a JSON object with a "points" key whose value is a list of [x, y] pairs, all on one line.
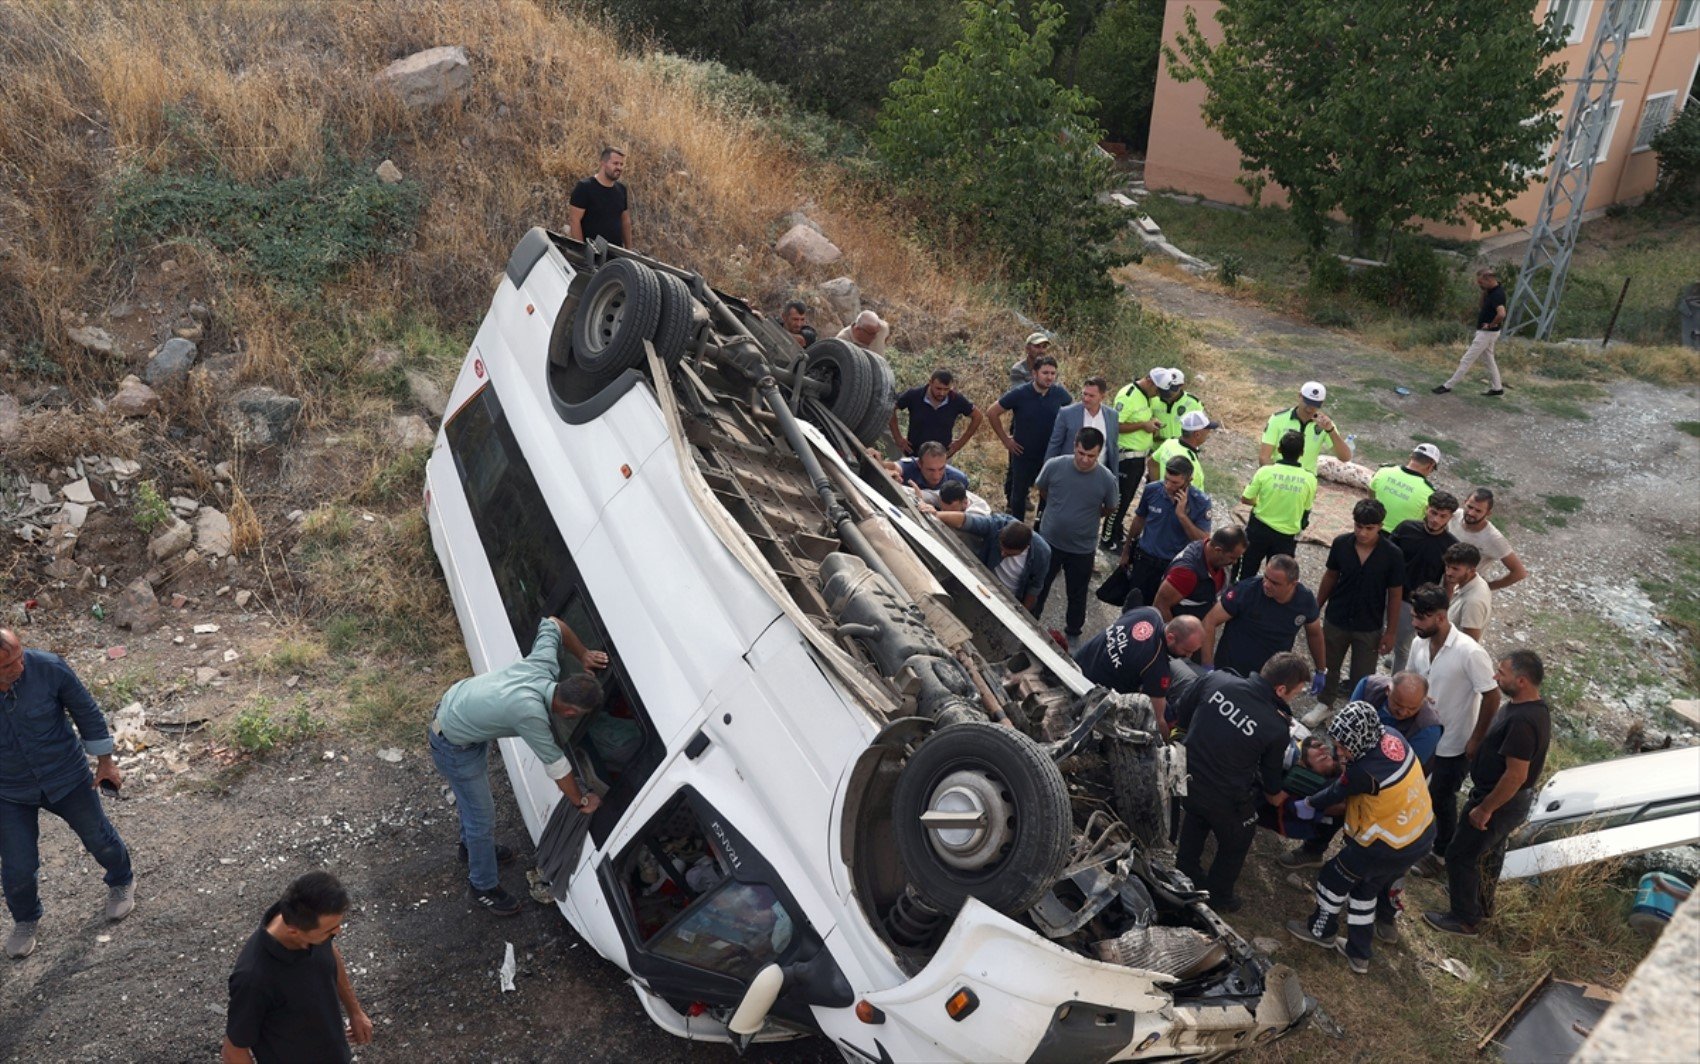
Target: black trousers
{"points": [[1446, 775], [1129, 473], [1234, 823], [1077, 577], [1146, 573], [1474, 858], [1358, 880], [1261, 544], [1023, 471]]}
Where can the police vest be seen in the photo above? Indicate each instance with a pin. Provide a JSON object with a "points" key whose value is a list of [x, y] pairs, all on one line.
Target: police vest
{"points": [[1399, 811], [1170, 449], [1403, 493], [1170, 414], [1132, 406]]}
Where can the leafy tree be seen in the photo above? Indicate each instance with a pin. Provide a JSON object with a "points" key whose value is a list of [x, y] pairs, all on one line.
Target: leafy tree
{"points": [[1002, 152], [1118, 66], [1386, 112], [1678, 146]]}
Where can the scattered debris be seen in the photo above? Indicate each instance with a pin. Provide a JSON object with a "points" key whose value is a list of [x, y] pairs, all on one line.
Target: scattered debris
{"points": [[508, 968], [205, 629], [391, 754], [1454, 967], [116, 652]]}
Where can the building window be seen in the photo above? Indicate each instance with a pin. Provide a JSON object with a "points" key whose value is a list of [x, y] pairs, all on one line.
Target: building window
{"points": [[1589, 119], [1655, 116], [1572, 14], [1687, 15], [1640, 15]]}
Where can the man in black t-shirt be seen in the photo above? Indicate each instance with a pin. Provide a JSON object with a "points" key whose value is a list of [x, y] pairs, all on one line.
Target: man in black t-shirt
{"points": [[599, 206], [1360, 595], [289, 989], [934, 409], [1489, 318], [1423, 543], [1259, 618], [1503, 776]]}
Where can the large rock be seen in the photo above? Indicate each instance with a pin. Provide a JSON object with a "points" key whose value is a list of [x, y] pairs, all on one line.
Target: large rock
{"points": [[11, 417], [93, 338], [170, 362], [426, 79], [389, 173], [137, 609], [844, 296], [427, 393], [802, 246], [170, 540], [134, 399], [411, 432], [262, 417], [212, 532]]}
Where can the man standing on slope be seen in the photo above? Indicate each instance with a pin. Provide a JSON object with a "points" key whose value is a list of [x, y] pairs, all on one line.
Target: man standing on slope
{"points": [[599, 206]]}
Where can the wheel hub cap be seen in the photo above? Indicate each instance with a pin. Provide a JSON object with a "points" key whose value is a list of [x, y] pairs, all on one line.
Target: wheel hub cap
{"points": [[967, 820]]}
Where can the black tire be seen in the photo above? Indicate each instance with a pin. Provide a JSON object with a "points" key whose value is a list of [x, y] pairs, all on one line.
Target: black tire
{"points": [[882, 399], [1015, 857], [617, 313], [1136, 787], [673, 328], [848, 373]]}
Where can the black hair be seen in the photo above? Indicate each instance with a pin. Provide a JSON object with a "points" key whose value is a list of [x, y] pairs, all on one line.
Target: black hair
{"points": [[1015, 536], [310, 898], [944, 376], [932, 447], [1444, 501], [1180, 465], [1427, 600], [611, 150], [1285, 670], [953, 491], [1292, 446], [1483, 495], [1462, 554], [1044, 360], [797, 305], [1097, 382], [1285, 564], [1369, 512], [581, 690], [1227, 537], [1088, 438], [1527, 664]]}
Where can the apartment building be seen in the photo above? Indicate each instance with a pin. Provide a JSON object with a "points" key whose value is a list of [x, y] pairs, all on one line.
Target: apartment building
{"points": [[1656, 76]]}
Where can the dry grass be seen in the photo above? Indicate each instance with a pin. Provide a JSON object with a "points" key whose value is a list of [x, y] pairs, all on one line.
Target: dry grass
{"points": [[51, 437]]}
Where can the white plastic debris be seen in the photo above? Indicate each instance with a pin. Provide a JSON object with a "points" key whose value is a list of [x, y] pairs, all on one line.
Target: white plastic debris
{"points": [[1455, 967], [205, 629], [508, 968], [391, 754]]}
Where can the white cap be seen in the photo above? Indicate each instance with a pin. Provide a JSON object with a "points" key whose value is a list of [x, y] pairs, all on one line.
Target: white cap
{"points": [[1427, 450], [1193, 420], [1164, 379], [1177, 376], [1313, 392]]}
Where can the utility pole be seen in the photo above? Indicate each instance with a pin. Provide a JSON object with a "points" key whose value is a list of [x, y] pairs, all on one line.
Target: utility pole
{"points": [[1546, 260]]}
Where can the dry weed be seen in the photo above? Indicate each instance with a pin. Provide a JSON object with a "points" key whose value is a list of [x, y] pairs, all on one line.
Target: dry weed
{"points": [[59, 437], [246, 533]]}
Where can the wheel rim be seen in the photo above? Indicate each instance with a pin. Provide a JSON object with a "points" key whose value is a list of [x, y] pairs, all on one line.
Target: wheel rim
{"points": [[969, 820], [607, 312]]}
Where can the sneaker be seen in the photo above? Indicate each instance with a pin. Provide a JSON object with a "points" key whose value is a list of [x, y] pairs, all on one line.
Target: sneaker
{"points": [[1387, 932], [21, 942], [1494, 391], [497, 900], [1359, 965], [1448, 923], [1440, 389], [1300, 857], [1300, 929], [1432, 865], [504, 854], [120, 900]]}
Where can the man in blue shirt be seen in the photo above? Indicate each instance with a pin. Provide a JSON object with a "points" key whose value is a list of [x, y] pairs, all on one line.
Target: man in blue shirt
{"points": [[1033, 410], [1018, 556], [1171, 513], [930, 470], [933, 411], [42, 766]]}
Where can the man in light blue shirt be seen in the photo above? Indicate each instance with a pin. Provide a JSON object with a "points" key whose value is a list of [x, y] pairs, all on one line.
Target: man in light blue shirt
{"points": [[511, 702]]}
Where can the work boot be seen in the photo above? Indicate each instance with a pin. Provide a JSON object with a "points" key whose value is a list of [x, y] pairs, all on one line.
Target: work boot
{"points": [[504, 854], [1300, 929], [21, 942], [1359, 964], [1450, 924], [1387, 932], [1300, 857], [120, 900], [497, 900]]}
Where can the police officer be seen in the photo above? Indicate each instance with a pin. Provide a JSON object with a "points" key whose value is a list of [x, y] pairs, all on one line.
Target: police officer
{"points": [[1174, 405], [1405, 490], [1389, 827], [1280, 497], [1237, 734], [1139, 423], [1196, 427], [1132, 655], [1308, 420]]}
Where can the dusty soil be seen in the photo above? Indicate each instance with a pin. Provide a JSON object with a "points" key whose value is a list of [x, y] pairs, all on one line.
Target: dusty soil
{"points": [[216, 834]]}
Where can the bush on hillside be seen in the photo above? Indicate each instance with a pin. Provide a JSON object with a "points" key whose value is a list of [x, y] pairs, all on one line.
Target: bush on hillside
{"points": [[1413, 279], [1118, 66], [1678, 147], [1328, 273]]}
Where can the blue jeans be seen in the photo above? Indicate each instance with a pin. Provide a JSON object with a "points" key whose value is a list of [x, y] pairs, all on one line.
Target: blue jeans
{"points": [[467, 768], [20, 858]]}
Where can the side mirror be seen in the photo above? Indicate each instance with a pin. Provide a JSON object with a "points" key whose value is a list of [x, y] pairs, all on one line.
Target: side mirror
{"points": [[758, 999]]}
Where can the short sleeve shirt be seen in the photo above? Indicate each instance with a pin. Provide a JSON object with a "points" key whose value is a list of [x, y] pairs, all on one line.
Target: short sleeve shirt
{"points": [[1490, 540], [1284, 421], [1404, 493], [1173, 449], [1522, 730], [1033, 414], [1359, 600], [1458, 676], [283, 1003], [1132, 407], [1163, 536], [1424, 553], [603, 207], [910, 473], [1075, 502], [1129, 656], [1281, 495], [929, 423], [1258, 627], [1492, 300], [1472, 605]]}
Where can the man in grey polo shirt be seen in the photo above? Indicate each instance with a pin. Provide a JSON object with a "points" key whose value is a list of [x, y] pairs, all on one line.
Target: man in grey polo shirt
{"points": [[510, 702], [1078, 492]]}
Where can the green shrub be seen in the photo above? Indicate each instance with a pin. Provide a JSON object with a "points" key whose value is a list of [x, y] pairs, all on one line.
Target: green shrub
{"points": [[149, 510], [1332, 314], [259, 730], [1232, 266], [1412, 281], [1328, 274], [1678, 147]]}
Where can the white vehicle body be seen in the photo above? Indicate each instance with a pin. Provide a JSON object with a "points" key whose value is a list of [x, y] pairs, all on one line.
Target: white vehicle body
{"points": [[759, 750], [1615, 808]]}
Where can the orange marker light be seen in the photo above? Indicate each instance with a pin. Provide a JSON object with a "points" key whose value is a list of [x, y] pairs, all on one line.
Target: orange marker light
{"points": [[867, 1013], [531, 308], [961, 1004], [626, 471]]}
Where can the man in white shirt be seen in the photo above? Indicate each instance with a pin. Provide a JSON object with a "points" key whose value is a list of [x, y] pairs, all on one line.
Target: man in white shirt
{"points": [[869, 330], [1461, 684], [1471, 525], [1471, 601]]}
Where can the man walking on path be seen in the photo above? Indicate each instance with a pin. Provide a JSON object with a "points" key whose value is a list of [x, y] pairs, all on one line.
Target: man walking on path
{"points": [[1489, 317], [1258, 618], [599, 206], [1461, 683], [1077, 493], [934, 409], [1137, 417], [515, 701], [1312, 425], [1360, 596], [1404, 490], [43, 766], [1033, 410], [1503, 775], [1171, 513], [1196, 427], [1471, 525], [1424, 543], [290, 988], [1280, 497]]}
